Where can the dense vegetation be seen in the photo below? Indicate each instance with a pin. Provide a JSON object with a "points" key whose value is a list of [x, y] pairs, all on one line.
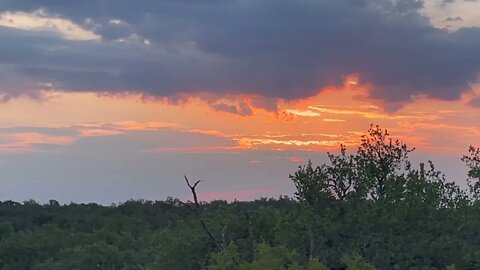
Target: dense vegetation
{"points": [[367, 210]]}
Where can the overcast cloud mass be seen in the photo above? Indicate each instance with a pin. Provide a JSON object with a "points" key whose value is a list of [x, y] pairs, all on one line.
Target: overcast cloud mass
{"points": [[272, 48]]}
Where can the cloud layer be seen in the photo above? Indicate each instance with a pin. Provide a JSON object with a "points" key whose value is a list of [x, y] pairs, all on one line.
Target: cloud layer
{"points": [[273, 48]]}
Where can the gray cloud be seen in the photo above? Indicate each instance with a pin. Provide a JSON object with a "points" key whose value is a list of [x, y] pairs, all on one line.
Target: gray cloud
{"points": [[272, 48], [446, 2], [454, 19], [242, 109], [475, 102]]}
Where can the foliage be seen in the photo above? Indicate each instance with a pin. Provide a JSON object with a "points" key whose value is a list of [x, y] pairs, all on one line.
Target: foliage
{"points": [[356, 263], [228, 259], [472, 160], [315, 264], [273, 258], [372, 203]]}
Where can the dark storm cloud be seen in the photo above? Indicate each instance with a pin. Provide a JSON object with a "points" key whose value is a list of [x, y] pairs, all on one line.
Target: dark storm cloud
{"points": [[273, 48]]}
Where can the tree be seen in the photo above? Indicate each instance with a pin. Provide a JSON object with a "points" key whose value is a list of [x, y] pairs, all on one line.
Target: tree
{"points": [[341, 175], [472, 160], [229, 259], [311, 184], [337, 180], [381, 160], [199, 213], [356, 263], [422, 221], [379, 165], [315, 264], [273, 258], [428, 187]]}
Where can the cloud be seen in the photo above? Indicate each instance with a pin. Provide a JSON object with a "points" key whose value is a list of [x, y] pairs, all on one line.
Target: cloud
{"points": [[306, 113], [117, 21], [446, 2], [241, 109], [454, 19], [276, 144], [275, 49], [27, 141], [296, 159], [475, 102], [119, 128], [95, 132], [142, 125], [366, 112], [333, 120], [39, 20], [196, 149]]}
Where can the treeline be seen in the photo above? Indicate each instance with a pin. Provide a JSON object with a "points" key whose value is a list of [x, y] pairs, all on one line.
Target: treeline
{"points": [[371, 209]]}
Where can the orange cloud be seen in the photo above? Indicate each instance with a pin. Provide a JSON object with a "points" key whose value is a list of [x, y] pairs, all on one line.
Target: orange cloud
{"points": [[25, 141], [117, 128], [196, 149], [296, 159], [141, 125], [320, 123], [252, 142], [99, 132], [333, 120], [306, 113], [215, 133]]}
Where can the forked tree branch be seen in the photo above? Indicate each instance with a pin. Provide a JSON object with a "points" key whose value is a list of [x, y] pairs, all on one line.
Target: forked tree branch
{"points": [[220, 245], [194, 192]]}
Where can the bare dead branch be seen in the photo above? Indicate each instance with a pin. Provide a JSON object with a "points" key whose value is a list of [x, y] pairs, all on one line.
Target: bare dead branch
{"points": [[193, 187]]}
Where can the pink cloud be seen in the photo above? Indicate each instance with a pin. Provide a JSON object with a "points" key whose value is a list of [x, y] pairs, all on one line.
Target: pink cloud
{"points": [[296, 159], [39, 138], [25, 141], [215, 133], [137, 125], [99, 132], [195, 149]]}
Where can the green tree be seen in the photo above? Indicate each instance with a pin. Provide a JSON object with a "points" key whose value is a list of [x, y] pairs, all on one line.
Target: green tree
{"points": [[356, 263], [334, 181], [451, 267], [229, 259], [315, 264], [273, 258], [311, 184], [381, 161], [472, 160]]}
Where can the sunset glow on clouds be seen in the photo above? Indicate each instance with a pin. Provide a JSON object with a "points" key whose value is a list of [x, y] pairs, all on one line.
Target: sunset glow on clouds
{"points": [[194, 131], [26, 141], [121, 104]]}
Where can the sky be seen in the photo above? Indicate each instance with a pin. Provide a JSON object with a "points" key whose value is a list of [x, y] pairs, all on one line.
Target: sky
{"points": [[109, 100]]}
